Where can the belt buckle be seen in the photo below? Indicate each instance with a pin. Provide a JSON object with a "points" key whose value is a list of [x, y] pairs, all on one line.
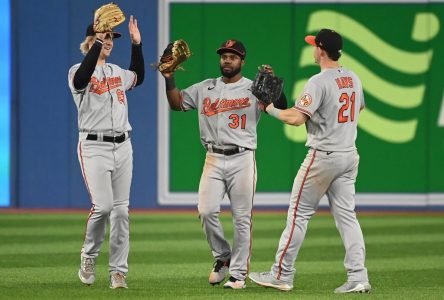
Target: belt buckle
{"points": [[121, 138]]}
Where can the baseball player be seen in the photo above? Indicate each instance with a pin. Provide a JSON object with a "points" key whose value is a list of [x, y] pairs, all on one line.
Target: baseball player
{"points": [[330, 106], [228, 115], [104, 149]]}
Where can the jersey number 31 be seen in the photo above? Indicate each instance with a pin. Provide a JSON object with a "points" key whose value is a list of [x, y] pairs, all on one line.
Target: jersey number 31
{"points": [[235, 121]]}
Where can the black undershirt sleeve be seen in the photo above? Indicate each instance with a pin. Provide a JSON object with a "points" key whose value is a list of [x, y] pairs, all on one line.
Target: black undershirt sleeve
{"points": [[137, 64], [86, 69]]}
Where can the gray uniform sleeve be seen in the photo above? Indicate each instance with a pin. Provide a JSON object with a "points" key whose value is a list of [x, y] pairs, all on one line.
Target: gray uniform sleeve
{"points": [[72, 71], [189, 97], [310, 99], [76, 94], [129, 79]]}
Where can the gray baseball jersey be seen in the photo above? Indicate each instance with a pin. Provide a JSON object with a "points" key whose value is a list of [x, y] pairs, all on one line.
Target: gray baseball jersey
{"points": [[106, 166], [332, 124], [228, 116], [228, 113], [102, 106], [332, 100]]}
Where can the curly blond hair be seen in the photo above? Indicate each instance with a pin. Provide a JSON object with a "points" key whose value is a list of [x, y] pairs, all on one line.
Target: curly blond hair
{"points": [[84, 46]]}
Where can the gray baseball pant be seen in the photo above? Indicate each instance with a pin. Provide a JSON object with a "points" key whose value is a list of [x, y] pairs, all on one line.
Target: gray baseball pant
{"points": [[107, 171], [333, 174]]}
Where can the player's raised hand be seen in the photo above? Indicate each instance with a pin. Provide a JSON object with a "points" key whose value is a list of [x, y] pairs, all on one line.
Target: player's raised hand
{"points": [[167, 74], [134, 31], [266, 69]]}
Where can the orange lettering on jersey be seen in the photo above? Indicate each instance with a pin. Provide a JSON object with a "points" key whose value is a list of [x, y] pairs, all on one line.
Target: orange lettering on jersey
{"points": [[105, 85], [222, 105], [344, 82], [120, 96]]}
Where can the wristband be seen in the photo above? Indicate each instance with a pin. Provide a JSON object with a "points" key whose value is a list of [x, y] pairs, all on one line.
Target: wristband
{"points": [[273, 111], [170, 84]]}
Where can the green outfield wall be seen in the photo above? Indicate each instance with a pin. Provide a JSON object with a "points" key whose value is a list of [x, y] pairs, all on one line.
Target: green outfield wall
{"points": [[396, 49]]}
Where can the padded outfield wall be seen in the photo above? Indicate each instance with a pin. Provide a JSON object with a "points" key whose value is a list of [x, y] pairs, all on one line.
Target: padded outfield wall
{"points": [[44, 43], [396, 49]]}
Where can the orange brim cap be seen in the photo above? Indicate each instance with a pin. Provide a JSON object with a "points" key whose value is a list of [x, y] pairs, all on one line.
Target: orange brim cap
{"points": [[310, 39]]}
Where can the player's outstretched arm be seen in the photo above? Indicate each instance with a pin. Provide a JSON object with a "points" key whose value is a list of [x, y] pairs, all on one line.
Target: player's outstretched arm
{"points": [[137, 63], [289, 116]]}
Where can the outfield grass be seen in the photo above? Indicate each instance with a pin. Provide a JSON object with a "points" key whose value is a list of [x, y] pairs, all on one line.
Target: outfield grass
{"points": [[169, 258]]}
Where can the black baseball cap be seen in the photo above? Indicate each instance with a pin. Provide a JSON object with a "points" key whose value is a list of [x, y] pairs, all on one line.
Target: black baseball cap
{"points": [[326, 39], [233, 46], [90, 32]]}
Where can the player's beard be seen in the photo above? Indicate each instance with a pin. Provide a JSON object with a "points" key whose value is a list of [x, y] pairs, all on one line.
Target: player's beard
{"points": [[230, 74]]}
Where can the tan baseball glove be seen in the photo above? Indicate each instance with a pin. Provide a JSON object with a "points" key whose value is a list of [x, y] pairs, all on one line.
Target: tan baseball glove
{"points": [[173, 55], [107, 17]]}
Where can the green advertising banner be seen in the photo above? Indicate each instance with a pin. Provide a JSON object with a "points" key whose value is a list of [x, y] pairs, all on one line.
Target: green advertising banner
{"points": [[395, 48]]}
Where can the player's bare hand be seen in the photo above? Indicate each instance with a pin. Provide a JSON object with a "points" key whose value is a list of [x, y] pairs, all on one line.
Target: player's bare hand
{"points": [[134, 31], [266, 69], [101, 35], [261, 106], [167, 75]]}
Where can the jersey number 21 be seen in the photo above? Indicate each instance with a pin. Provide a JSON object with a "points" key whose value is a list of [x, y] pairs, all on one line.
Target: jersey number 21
{"points": [[348, 101]]}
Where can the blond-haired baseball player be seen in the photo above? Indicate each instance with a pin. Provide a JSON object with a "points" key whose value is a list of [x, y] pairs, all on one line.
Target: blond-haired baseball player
{"points": [[104, 149]]}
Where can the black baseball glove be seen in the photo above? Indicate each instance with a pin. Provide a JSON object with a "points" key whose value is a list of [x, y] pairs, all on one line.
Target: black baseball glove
{"points": [[266, 86]]}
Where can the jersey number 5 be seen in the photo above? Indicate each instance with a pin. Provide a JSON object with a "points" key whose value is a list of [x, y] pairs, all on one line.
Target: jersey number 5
{"points": [[235, 121], [347, 102]]}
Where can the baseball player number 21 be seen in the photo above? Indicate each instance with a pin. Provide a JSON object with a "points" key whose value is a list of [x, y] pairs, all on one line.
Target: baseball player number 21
{"points": [[235, 119], [347, 100]]}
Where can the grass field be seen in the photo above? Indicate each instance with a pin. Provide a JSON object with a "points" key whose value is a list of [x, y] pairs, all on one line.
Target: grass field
{"points": [[169, 258]]}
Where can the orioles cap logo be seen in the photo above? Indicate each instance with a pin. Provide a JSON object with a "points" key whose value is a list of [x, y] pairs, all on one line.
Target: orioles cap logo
{"points": [[305, 100], [230, 43]]}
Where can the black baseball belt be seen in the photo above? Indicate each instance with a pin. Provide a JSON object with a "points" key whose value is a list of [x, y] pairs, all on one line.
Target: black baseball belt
{"points": [[225, 151], [112, 139]]}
